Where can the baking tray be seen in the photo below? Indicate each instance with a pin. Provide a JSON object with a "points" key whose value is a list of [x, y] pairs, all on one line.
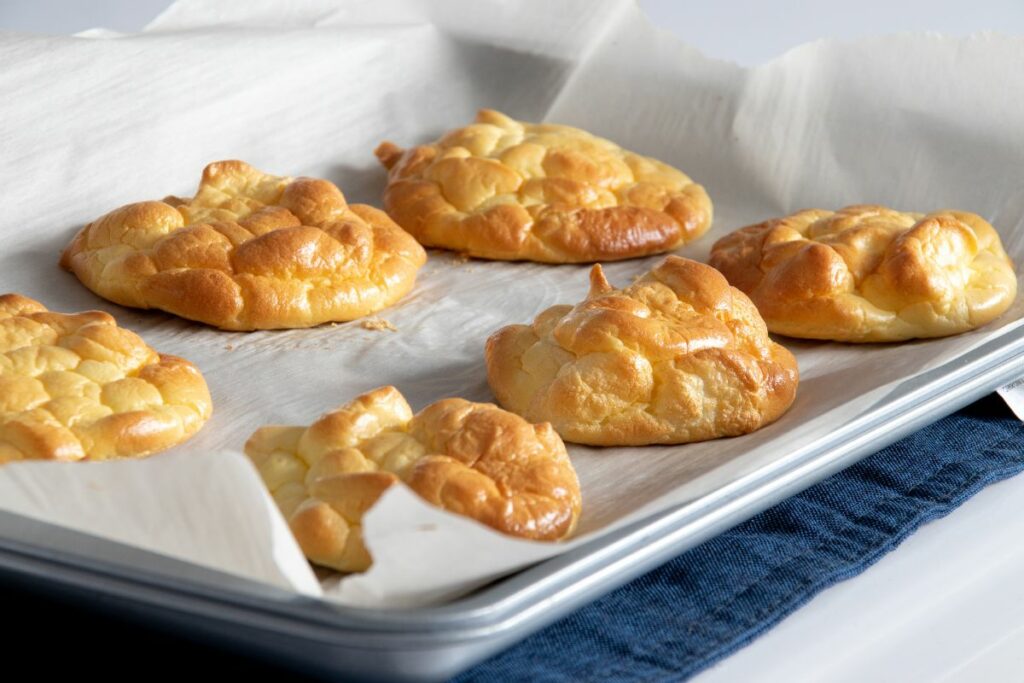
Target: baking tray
{"points": [[434, 643]]}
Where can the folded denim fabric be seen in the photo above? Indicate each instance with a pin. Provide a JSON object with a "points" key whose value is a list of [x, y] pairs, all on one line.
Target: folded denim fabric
{"points": [[715, 598]]}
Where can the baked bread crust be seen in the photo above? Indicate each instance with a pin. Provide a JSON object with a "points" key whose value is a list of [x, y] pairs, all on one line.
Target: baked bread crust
{"points": [[677, 356], [473, 459], [78, 387], [870, 274], [507, 190], [249, 251]]}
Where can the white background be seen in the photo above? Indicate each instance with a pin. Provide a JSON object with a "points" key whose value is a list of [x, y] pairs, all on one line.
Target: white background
{"points": [[948, 605]]}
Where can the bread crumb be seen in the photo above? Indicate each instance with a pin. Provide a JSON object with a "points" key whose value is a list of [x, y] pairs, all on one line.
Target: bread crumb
{"points": [[229, 347], [378, 325], [460, 257]]}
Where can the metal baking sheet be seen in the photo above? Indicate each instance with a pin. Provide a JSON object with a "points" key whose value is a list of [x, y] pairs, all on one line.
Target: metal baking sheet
{"points": [[808, 129], [434, 643]]}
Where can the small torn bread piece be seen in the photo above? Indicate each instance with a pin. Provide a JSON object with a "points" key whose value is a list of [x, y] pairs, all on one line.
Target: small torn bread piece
{"points": [[78, 387], [508, 190], [870, 274], [675, 357], [249, 251], [473, 459], [378, 325]]}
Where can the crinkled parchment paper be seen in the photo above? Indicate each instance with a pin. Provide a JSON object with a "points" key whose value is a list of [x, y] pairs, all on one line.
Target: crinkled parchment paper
{"points": [[918, 122]]}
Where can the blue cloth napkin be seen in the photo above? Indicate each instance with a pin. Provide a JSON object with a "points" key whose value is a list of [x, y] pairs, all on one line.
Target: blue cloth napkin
{"points": [[714, 599]]}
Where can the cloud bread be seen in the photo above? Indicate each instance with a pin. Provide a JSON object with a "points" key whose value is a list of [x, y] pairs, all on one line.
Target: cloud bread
{"points": [[473, 459], [78, 387], [677, 356], [870, 274], [508, 190], [249, 251]]}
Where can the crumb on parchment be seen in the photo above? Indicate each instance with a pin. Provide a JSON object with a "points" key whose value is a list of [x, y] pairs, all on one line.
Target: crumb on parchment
{"points": [[378, 325]]}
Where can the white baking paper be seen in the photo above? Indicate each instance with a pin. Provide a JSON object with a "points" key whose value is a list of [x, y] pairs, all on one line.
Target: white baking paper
{"points": [[173, 517], [1013, 395], [90, 123]]}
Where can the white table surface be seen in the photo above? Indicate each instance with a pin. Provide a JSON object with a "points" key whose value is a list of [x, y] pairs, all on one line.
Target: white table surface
{"points": [[947, 605]]}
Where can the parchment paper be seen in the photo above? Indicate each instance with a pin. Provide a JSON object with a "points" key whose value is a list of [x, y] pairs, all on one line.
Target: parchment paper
{"points": [[89, 123]]}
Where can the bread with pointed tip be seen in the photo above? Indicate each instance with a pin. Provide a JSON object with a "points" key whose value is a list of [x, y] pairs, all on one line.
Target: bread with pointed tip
{"points": [[675, 357]]}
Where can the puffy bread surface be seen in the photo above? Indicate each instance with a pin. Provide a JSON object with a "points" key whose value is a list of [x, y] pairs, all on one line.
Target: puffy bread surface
{"points": [[473, 459], [870, 274], [504, 189], [249, 251], [78, 387], [677, 356]]}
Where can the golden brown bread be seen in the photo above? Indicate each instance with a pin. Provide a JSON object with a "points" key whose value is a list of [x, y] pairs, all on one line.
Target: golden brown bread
{"points": [[870, 274], [78, 387], [473, 459], [677, 356], [504, 189], [249, 251]]}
